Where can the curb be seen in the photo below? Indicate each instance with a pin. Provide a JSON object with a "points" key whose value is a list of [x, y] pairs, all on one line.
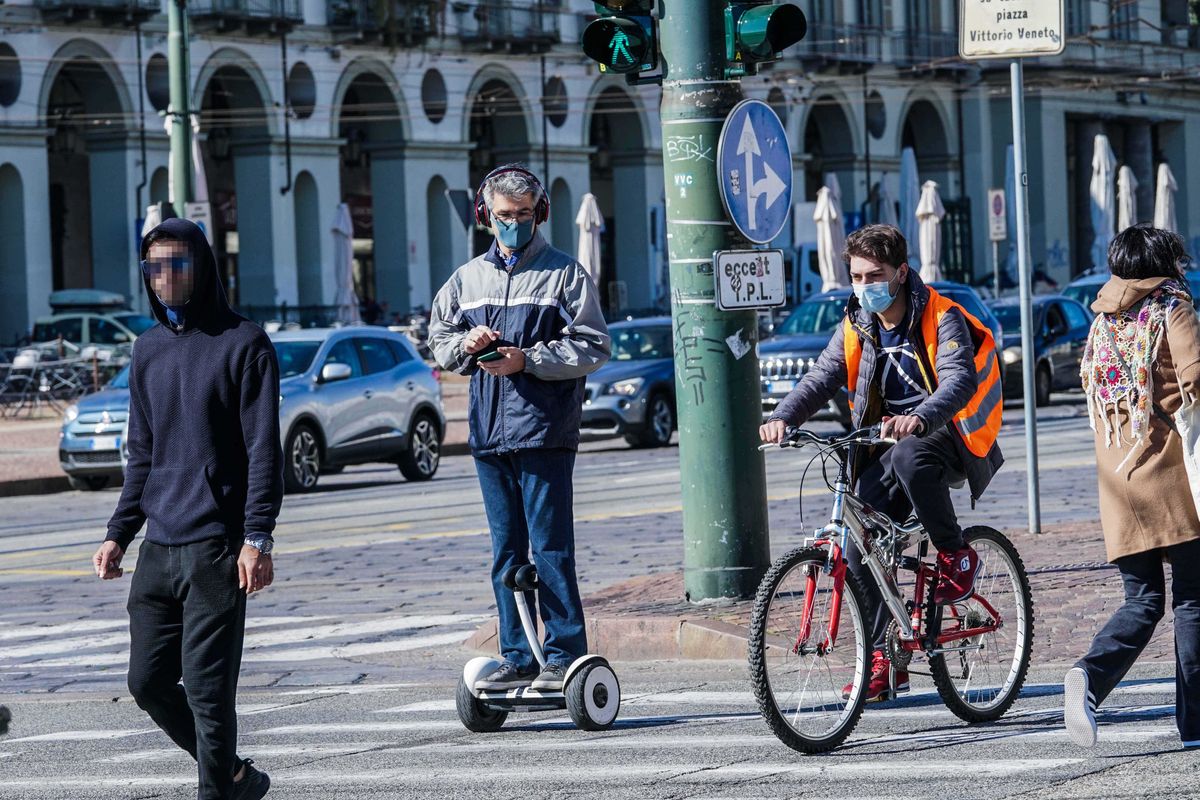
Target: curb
{"points": [[30, 486], [644, 639]]}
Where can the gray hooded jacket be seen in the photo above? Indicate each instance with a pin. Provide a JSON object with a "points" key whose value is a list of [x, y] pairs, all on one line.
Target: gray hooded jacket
{"points": [[955, 370]]}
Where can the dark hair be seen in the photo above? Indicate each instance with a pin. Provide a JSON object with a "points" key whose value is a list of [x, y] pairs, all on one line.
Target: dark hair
{"points": [[1144, 251], [882, 243], [157, 235]]}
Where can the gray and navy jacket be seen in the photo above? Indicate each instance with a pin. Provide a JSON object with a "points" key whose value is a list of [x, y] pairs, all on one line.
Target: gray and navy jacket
{"points": [[955, 370], [545, 304]]}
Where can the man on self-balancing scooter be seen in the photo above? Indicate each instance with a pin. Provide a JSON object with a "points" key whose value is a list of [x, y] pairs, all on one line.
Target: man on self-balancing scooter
{"points": [[523, 320]]}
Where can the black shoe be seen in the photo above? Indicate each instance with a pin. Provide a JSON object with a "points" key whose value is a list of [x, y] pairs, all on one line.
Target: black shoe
{"points": [[550, 679], [507, 676], [253, 785]]}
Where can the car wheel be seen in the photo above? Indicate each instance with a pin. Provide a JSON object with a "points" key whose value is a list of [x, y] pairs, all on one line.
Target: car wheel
{"points": [[660, 423], [1041, 386], [90, 483], [420, 461], [302, 460]]}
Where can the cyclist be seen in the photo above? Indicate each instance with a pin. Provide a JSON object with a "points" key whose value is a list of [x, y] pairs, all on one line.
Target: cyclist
{"points": [[920, 364]]}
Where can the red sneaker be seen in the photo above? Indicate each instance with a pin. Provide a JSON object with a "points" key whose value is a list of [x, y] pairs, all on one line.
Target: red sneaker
{"points": [[958, 575], [879, 685]]}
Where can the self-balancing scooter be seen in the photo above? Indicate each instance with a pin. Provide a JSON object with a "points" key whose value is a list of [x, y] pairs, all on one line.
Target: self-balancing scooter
{"points": [[590, 693]]}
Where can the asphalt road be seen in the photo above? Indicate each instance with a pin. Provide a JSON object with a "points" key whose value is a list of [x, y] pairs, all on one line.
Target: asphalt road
{"points": [[352, 656]]}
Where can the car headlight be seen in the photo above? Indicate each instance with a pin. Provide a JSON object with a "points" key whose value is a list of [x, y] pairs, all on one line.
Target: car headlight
{"points": [[626, 388], [72, 413], [1012, 355]]}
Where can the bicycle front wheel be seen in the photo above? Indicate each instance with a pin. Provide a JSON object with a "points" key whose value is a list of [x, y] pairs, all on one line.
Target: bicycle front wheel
{"points": [[980, 681], [810, 692]]}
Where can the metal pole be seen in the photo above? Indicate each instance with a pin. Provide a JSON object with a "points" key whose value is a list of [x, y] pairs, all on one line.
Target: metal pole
{"points": [[1027, 351], [726, 547], [996, 268], [179, 71]]}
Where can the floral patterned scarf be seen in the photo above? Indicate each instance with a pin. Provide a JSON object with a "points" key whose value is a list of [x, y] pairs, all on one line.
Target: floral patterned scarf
{"points": [[1118, 363]]}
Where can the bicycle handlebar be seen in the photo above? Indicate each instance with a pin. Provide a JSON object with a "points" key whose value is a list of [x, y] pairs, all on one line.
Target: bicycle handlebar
{"points": [[799, 437]]}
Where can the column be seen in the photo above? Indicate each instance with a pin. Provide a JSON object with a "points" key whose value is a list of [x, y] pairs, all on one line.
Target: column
{"points": [[388, 186], [112, 160], [1139, 155]]}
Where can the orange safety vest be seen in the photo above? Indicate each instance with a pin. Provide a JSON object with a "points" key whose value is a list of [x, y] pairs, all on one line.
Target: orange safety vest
{"points": [[979, 422]]}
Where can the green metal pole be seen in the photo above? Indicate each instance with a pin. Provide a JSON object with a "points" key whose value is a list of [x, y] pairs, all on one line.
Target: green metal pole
{"points": [[726, 543], [179, 72]]}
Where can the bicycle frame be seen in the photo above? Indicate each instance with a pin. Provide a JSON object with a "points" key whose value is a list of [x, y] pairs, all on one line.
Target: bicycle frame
{"points": [[849, 524]]}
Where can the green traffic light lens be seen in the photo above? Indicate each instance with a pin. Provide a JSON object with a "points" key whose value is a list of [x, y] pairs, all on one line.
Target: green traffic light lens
{"points": [[621, 45]]}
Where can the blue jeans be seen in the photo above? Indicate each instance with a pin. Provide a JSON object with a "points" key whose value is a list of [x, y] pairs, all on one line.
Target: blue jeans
{"points": [[528, 496], [1123, 638]]}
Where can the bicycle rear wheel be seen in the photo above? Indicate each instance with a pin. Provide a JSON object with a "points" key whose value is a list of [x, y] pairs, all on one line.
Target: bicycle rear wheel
{"points": [[798, 680], [981, 683]]}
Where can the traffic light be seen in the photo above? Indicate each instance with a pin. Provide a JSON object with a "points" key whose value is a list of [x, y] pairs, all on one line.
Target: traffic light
{"points": [[757, 32], [625, 37]]}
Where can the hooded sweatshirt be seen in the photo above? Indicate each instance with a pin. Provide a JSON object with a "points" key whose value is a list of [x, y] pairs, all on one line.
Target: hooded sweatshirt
{"points": [[204, 455]]}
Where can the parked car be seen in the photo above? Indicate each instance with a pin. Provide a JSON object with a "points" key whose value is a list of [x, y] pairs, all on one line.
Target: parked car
{"points": [[347, 396], [784, 359], [1060, 333], [355, 395], [633, 395], [105, 331], [89, 445], [1084, 289]]}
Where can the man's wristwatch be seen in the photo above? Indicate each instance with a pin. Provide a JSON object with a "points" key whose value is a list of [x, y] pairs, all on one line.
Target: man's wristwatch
{"points": [[263, 544]]}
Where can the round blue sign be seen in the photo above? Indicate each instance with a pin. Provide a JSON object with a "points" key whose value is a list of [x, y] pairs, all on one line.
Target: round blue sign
{"points": [[754, 162]]}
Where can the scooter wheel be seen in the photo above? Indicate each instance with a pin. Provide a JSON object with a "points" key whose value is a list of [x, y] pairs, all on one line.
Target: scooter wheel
{"points": [[594, 697], [475, 716]]}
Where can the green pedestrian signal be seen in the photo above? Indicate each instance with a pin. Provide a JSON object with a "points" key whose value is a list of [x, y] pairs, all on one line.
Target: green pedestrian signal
{"points": [[624, 39], [758, 32]]}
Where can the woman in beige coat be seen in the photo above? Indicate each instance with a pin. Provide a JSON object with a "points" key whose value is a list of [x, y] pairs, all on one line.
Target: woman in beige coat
{"points": [[1141, 366]]}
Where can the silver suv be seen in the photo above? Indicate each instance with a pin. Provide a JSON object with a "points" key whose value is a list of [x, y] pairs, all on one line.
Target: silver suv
{"points": [[355, 395]]}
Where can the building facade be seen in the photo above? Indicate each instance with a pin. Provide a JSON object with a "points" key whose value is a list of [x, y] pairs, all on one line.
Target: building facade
{"points": [[398, 108]]}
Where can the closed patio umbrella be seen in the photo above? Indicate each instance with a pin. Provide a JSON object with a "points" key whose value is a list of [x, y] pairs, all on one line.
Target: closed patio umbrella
{"points": [[1164, 200], [346, 298], [1103, 199], [930, 212], [1127, 210], [591, 224], [831, 235]]}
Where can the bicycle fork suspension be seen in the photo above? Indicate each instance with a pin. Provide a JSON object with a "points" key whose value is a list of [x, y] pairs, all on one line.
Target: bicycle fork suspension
{"points": [[838, 573]]}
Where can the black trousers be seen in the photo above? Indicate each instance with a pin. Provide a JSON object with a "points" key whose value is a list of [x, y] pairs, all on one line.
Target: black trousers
{"points": [[913, 475], [1124, 637], [187, 618]]}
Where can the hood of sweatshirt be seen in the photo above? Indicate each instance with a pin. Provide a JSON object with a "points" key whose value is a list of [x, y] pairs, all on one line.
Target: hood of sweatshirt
{"points": [[208, 302]]}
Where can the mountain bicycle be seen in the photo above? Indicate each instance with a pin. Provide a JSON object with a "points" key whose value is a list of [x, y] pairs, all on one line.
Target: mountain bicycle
{"points": [[809, 650]]}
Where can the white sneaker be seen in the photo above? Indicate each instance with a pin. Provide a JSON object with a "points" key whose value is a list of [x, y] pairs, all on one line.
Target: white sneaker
{"points": [[1079, 708]]}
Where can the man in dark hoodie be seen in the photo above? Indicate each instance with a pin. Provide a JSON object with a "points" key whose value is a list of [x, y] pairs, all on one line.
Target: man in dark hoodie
{"points": [[205, 474]]}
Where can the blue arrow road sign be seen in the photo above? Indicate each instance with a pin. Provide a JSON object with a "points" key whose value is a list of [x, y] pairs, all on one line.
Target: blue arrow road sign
{"points": [[755, 166]]}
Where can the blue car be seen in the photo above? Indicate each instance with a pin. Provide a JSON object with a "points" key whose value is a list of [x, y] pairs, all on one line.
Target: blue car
{"points": [[633, 395], [798, 342], [89, 444]]}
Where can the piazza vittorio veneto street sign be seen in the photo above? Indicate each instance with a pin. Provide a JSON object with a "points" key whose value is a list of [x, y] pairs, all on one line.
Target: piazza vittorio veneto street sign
{"points": [[1010, 28]]}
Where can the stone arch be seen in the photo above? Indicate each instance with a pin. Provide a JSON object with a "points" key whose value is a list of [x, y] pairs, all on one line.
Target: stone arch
{"points": [[355, 70], [499, 126], [829, 140], [87, 50], [924, 127], [160, 186], [231, 57], [605, 86], [496, 73], [14, 300]]}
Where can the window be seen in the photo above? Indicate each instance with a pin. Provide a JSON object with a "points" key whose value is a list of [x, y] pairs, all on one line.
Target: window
{"points": [[376, 355], [399, 351], [69, 328], [1078, 21], [1056, 323], [969, 301], [1076, 316], [1123, 19], [136, 323], [295, 357], [105, 331], [641, 343], [344, 353]]}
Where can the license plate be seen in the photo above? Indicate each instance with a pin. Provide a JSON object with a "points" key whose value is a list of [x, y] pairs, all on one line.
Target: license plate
{"points": [[781, 387], [106, 443]]}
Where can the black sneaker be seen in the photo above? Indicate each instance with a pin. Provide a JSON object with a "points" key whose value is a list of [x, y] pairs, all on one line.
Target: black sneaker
{"points": [[550, 679], [507, 676], [253, 785]]}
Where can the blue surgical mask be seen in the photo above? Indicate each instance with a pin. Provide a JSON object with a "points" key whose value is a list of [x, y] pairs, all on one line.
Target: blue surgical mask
{"points": [[875, 297], [514, 235]]}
